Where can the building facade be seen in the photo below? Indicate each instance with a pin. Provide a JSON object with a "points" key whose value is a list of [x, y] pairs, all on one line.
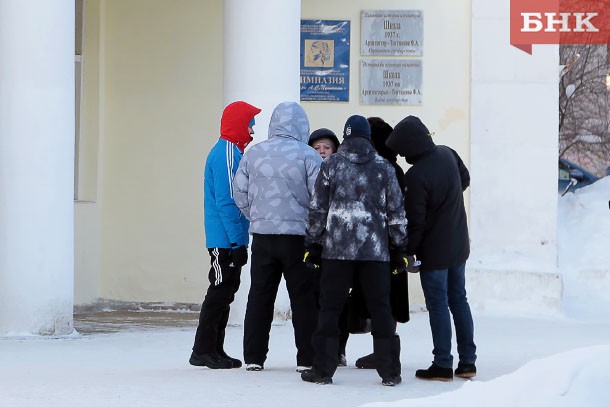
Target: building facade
{"points": [[116, 212]]}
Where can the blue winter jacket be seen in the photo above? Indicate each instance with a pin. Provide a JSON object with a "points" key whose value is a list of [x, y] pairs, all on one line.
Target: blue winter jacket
{"points": [[224, 223]]}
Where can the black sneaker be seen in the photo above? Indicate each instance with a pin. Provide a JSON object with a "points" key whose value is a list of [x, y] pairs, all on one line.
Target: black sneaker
{"points": [[342, 361], [312, 376], [466, 370], [391, 381], [434, 372], [235, 363], [367, 362], [211, 360]]}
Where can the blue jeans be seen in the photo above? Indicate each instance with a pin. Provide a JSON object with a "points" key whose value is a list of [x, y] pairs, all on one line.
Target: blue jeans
{"points": [[445, 290]]}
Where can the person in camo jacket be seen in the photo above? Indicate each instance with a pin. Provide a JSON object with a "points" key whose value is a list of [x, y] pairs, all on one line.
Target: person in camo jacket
{"points": [[357, 233], [273, 186]]}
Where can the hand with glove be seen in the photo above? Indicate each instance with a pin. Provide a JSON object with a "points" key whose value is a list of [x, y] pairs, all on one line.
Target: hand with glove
{"points": [[413, 266], [239, 255], [400, 262], [313, 256]]}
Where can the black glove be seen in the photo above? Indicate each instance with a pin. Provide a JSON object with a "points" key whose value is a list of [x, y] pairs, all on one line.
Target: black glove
{"points": [[413, 266], [313, 256], [239, 255], [398, 261]]}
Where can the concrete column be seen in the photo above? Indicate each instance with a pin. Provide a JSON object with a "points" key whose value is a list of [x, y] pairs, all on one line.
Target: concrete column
{"points": [[514, 142], [261, 55], [36, 167], [261, 66]]}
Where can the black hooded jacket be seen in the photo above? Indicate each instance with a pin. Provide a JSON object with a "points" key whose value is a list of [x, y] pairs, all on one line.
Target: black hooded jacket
{"points": [[434, 202], [357, 207]]}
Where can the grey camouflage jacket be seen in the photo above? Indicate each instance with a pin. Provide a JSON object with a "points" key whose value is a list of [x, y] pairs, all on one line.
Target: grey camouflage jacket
{"points": [[357, 207], [275, 179]]}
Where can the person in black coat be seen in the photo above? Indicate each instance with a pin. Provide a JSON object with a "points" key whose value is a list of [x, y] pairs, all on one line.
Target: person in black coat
{"points": [[438, 236]]}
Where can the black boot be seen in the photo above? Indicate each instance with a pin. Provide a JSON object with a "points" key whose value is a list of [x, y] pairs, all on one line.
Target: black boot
{"points": [[312, 376], [385, 350], [325, 357], [394, 378], [367, 362], [466, 370], [211, 360], [235, 363], [434, 372]]}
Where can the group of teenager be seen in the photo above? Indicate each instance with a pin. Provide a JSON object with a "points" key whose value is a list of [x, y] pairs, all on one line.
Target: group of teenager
{"points": [[335, 220]]}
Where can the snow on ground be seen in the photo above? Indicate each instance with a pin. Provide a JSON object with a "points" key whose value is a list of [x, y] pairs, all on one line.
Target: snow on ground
{"points": [[584, 250], [149, 367], [559, 360]]}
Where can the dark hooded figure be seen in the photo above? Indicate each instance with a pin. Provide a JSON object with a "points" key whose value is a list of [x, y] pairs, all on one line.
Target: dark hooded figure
{"points": [[438, 236], [356, 213]]}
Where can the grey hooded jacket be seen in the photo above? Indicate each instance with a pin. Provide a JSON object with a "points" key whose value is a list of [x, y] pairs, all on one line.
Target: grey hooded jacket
{"points": [[357, 208], [276, 177]]}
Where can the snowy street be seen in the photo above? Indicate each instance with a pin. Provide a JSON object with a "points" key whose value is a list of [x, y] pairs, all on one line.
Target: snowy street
{"points": [[147, 365]]}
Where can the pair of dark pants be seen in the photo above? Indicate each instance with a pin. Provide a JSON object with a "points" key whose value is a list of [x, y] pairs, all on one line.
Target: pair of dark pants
{"points": [[343, 318], [272, 257], [444, 291], [214, 315], [337, 278]]}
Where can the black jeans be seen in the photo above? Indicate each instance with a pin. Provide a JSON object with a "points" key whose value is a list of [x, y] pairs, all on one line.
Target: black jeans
{"points": [[214, 315], [274, 256], [337, 278]]}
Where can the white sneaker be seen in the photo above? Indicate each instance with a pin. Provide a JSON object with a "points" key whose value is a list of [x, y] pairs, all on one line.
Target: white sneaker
{"points": [[253, 367], [301, 369]]}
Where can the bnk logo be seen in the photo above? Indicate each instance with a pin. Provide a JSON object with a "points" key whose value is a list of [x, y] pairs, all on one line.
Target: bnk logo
{"points": [[559, 22]]}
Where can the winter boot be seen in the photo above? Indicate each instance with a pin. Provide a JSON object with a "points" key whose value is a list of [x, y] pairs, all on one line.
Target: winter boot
{"points": [[385, 349], [394, 378], [367, 362], [312, 376], [211, 360], [466, 370], [235, 363], [325, 358], [434, 372], [391, 381]]}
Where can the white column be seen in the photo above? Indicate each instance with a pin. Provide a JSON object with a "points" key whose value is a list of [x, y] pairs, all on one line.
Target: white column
{"points": [[261, 66], [261, 55], [36, 167], [514, 149]]}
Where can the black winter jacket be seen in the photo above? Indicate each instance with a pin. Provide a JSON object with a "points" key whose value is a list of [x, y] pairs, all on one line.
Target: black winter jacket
{"points": [[357, 206], [434, 202]]}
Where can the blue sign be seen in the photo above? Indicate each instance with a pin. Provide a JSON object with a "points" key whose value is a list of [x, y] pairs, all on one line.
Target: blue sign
{"points": [[325, 60]]}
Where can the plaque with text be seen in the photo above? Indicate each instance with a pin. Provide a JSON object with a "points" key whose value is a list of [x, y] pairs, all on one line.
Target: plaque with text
{"points": [[325, 60], [391, 82], [392, 32]]}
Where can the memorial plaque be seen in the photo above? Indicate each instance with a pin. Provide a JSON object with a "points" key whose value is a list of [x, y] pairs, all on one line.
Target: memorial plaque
{"points": [[325, 60], [392, 32], [391, 82]]}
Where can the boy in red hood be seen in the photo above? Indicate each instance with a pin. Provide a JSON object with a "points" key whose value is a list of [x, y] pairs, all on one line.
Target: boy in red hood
{"points": [[226, 232]]}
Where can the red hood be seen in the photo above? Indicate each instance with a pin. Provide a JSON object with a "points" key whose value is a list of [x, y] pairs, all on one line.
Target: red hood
{"points": [[234, 123]]}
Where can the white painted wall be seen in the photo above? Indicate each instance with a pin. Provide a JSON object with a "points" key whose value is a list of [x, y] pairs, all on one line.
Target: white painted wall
{"points": [[446, 77], [36, 167], [514, 125]]}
